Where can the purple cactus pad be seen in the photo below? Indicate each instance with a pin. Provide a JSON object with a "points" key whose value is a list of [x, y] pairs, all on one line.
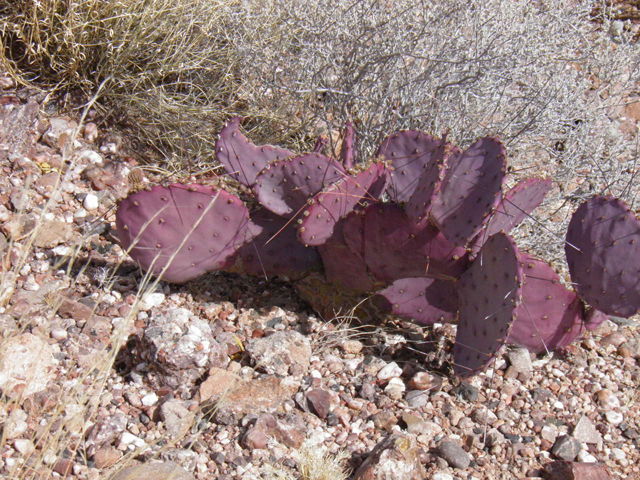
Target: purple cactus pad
{"points": [[489, 294], [514, 207], [424, 300], [393, 247], [349, 149], [334, 203], [470, 191], [241, 159], [411, 153], [276, 250], [550, 316], [603, 253], [196, 228], [285, 186]]}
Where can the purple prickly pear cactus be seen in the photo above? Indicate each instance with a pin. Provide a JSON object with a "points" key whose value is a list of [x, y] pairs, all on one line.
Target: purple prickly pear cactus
{"points": [[514, 207], [342, 266], [489, 294], [335, 202], [424, 300], [550, 316], [411, 154], [427, 189], [285, 186], [276, 250], [603, 253], [470, 191], [241, 159], [348, 151], [393, 247], [183, 231]]}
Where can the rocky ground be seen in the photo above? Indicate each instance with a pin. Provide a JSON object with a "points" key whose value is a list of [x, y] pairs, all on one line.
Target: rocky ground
{"points": [[232, 377]]}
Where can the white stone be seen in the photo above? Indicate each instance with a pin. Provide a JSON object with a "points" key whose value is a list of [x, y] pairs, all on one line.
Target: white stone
{"points": [[151, 299], [617, 454], [389, 371], [149, 399], [23, 446], [58, 333], [613, 417], [16, 424], [128, 438], [585, 456], [90, 202], [92, 157], [442, 476]]}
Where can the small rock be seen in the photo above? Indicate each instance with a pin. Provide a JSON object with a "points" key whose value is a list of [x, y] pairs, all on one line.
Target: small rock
{"points": [[466, 391], [397, 456], [58, 333], [277, 353], [494, 437], [149, 399], [483, 416], [319, 402], [616, 339], [389, 371], [566, 448], [106, 457], [395, 388], [442, 476], [426, 381], [617, 454], [585, 432], [90, 202], [454, 455], [416, 398], [23, 446], [63, 466], [384, 420], [176, 417], [90, 132], [53, 233], [289, 431], [607, 399], [573, 471], [150, 300], [613, 417], [585, 456], [217, 383], [352, 347], [520, 358], [107, 429], [154, 471]]}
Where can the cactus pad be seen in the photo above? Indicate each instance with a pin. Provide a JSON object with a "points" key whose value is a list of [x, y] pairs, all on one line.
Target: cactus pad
{"points": [[425, 300], [393, 247], [603, 253], [411, 153], [285, 186], [514, 207], [349, 149], [470, 191], [335, 202], [240, 158], [276, 250], [550, 316], [196, 228], [342, 266], [489, 294]]}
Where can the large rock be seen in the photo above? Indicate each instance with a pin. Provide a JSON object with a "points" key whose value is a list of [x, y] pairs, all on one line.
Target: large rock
{"points": [[27, 365], [154, 471], [279, 352], [180, 349], [397, 456]]}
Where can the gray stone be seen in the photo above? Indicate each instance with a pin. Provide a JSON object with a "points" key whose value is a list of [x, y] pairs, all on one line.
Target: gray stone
{"points": [[154, 471], [107, 429], [566, 448], [277, 353], [176, 417], [585, 432], [416, 398], [520, 358], [466, 391], [454, 454]]}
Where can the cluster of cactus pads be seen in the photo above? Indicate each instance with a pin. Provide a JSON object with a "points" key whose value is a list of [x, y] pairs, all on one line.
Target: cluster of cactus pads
{"points": [[422, 228]]}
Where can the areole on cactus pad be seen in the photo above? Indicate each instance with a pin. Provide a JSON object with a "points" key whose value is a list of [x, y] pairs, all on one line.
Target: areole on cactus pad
{"points": [[419, 231]]}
